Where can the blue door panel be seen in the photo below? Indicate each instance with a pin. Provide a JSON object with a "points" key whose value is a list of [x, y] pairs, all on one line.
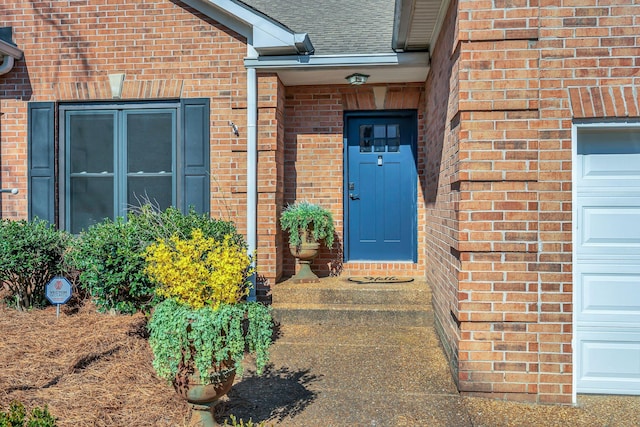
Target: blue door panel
{"points": [[381, 187], [391, 213], [366, 222]]}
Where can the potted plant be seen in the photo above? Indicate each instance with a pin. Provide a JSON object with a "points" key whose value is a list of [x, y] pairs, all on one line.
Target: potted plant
{"points": [[307, 224], [199, 333]]}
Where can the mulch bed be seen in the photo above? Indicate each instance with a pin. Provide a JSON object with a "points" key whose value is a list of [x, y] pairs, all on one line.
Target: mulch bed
{"points": [[91, 369]]}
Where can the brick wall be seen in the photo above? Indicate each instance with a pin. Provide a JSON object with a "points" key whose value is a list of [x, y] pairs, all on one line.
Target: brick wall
{"points": [[164, 48], [441, 164], [500, 255]]}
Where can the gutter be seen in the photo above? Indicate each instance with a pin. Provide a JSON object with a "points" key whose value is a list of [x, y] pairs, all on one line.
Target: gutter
{"points": [[268, 37], [402, 23], [9, 53], [329, 61]]}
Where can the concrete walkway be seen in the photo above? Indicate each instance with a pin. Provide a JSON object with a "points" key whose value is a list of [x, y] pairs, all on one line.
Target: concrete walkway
{"points": [[323, 374]]}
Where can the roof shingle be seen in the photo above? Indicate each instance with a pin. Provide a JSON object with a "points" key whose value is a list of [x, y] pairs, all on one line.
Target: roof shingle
{"points": [[335, 26]]}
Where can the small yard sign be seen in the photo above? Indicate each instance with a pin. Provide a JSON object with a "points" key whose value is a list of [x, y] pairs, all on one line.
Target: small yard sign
{"points": [[58, 291]]}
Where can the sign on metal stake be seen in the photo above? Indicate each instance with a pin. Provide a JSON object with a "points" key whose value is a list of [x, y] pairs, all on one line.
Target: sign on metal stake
{"points": [[58, 291]]}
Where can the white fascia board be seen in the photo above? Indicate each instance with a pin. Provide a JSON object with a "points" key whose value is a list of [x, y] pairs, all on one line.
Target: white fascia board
{"points": [[442, 13], [8, 49], [328, 61], [402, 22], [265, 35]]}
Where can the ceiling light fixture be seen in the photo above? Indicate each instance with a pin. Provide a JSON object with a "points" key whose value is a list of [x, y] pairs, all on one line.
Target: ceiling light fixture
{"points": [[357, 79]]}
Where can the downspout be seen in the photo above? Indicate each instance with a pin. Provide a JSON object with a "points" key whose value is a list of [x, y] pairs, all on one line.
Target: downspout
{"points": [[252, 170], [7, 64]]}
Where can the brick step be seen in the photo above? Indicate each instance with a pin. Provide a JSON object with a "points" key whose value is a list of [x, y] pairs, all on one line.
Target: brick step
{"points": [[346, 314], [344, 292], [339, 301]]}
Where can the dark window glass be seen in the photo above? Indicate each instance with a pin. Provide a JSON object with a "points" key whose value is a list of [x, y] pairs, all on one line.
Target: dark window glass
{"points": [[149, 141], [91, 201], [117, 159], [366, 140], [92, 142]]}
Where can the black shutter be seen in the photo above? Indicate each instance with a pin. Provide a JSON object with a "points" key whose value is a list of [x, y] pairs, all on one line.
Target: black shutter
{"points": [[195, 155], [41, 152]]}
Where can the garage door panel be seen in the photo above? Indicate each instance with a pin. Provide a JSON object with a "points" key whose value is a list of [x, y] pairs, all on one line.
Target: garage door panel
{"points": [[610, 362], [609, 294], [607, 260], [609, 226], [609, 157]]}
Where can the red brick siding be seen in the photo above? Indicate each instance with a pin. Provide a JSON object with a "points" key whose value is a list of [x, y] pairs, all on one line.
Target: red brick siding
{"points": [[441, 165], [163, 48], [525, 69]]}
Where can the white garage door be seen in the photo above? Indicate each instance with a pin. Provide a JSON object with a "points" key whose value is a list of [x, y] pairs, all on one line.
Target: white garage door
{"points": [[607, 255]]}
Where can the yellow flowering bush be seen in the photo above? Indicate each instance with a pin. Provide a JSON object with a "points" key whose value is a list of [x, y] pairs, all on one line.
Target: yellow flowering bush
{"points": [[199, 271]]}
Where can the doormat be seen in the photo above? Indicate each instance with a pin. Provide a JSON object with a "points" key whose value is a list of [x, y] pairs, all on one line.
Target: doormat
{"points": [[380, 279]]}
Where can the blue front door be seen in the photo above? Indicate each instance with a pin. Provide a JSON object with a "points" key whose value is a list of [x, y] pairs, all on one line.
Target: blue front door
{"points": [[380, 188]]}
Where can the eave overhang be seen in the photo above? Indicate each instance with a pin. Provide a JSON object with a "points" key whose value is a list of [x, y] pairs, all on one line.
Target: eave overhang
{"points": [[9, 49], [417, 24], [332, 69], [266, 36]]}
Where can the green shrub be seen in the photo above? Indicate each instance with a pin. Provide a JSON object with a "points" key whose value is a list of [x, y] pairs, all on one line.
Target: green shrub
{"points": [[110, 255], [154, 225], [16, 416], [31, 255]]}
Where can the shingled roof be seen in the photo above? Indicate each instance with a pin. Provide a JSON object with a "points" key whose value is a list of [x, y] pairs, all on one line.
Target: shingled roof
{"points": [[335, 26]]}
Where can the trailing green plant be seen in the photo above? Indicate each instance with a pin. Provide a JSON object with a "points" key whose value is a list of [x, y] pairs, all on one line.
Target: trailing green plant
{"points": [[110, 255], [16, 416], [204, 338], [310, 217], [31, 255]]}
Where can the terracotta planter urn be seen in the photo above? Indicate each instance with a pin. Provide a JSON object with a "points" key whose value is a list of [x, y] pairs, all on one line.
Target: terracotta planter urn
{"points": [[203, 397]]}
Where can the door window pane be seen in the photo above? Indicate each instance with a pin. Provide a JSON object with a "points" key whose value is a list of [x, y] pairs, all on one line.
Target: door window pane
{"points": [[366, 140], [393, 131]]}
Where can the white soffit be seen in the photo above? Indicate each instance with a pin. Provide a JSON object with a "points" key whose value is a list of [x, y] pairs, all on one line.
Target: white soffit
{"points": [[333, 69], [418, 23]]}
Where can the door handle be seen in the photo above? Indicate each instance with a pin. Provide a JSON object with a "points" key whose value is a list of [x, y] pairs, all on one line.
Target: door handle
{"points": [[354, 196]]}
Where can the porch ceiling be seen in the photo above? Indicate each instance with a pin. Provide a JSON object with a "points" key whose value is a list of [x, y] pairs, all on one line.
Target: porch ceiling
{"points": [[331, 70]]}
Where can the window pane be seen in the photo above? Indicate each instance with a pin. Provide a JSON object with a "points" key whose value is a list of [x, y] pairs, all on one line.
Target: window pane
{"points": [[380, 144], [394, 145], [91, 142], [149, 142], [153, 189], [91, 201], [365, 138], [393, 131], [379, 131]]}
